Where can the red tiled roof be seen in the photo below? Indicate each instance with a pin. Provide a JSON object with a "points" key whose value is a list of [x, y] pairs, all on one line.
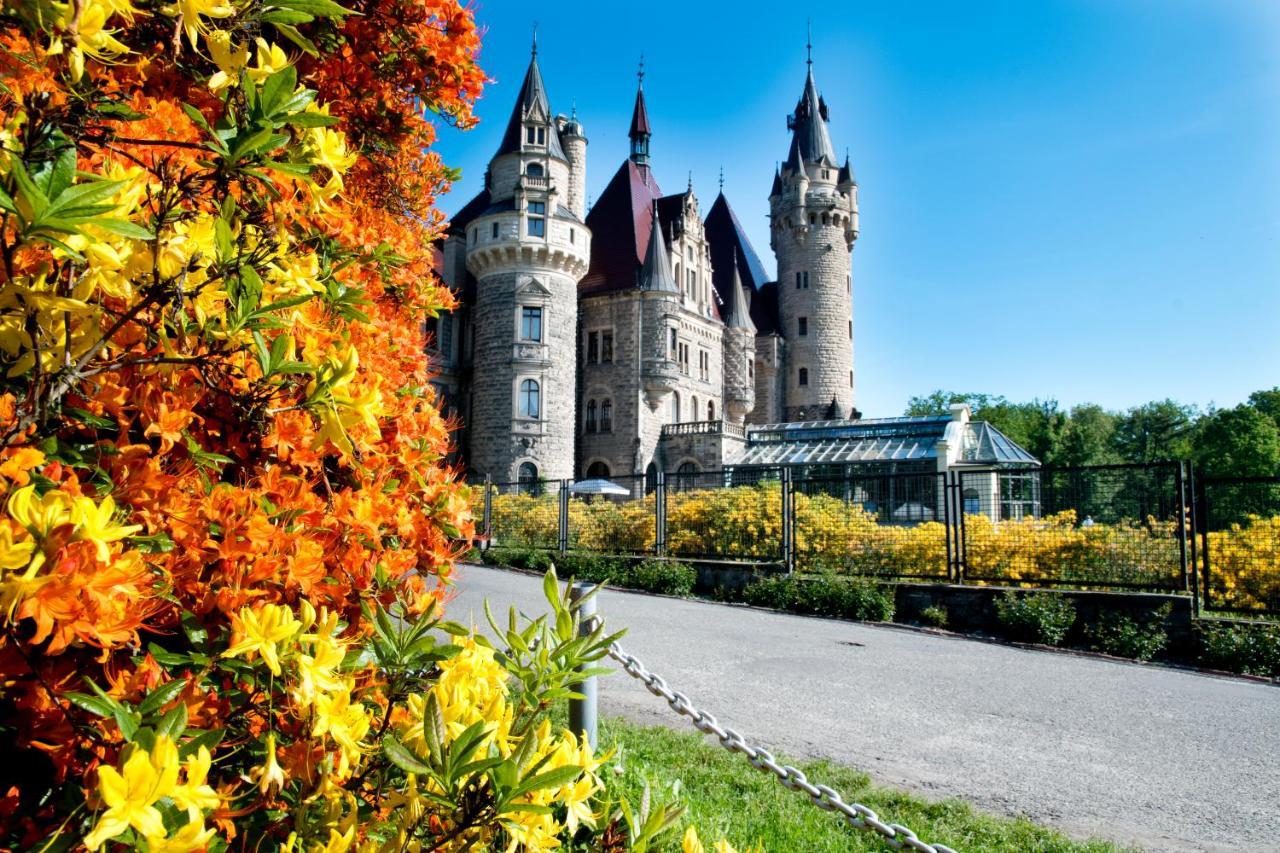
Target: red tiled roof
{"points": [[639, 117], [620, 223]]}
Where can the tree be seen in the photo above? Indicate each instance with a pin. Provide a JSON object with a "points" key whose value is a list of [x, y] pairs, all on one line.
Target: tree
{"points": [[1267, 402], [938, 404], [1086, 437], [1239, 442], [1155, 431]]}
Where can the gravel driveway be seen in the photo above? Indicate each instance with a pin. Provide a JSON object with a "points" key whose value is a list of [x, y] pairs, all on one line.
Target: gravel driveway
{"points": [[1161, 758]]}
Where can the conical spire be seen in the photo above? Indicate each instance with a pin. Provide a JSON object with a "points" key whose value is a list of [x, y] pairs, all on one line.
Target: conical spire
{"points": [[739, 311], [531, 106], [777, 183], [810, 142], [846, 172], [640, 130], [656, 274]]}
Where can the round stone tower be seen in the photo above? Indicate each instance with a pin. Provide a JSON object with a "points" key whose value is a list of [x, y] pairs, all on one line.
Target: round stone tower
{"points": [[574, 141], [527, 251], [814, 210]]}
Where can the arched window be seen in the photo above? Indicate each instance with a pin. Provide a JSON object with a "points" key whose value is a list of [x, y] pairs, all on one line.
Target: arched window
{"points": [[598, 470], [686, 477], [528, 478], [804, 376], [606, 416], [693, 407], [534, 170], [711, 410], [675, 407], [591, 416], [530, 399], [650, 479]]}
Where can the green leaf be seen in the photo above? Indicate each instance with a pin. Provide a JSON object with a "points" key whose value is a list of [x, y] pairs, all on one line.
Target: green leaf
{"points": [[402, 757], [208, 739], [286, 16], [124, 228], [319, 8], [128, 721], [291, 33], [551, 588], [312, 120], [276, 89], [173, 723], [548, 779], [92, 704], [162, 695]]}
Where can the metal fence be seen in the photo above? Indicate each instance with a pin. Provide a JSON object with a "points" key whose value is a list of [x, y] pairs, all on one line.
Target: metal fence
{"points": [[1139, 527], [1238, 527]]}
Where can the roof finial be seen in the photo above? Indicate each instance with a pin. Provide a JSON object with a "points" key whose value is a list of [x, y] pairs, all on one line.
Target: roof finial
{"points": [[690, 187], [808, 46], [573, 111], [640, 72], [535, 39], [722, 179]]}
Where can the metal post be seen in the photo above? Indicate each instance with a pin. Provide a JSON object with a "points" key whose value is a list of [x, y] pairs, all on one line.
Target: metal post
{"points": [[948, 517], [564, 516], [1180, 485], [788, 523], [487, 526], [660, 515], [584, 712], [1194, 524]]}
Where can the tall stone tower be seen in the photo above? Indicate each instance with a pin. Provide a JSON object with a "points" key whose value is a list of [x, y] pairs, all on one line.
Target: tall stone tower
{"points": [[575, 148], [814, 210], [527, 249]]}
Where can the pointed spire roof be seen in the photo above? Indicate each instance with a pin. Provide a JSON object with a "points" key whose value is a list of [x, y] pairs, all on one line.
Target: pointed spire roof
{"points": [[532, 105], [810, 141], [846, 172], [776, 189], [738, 315], [656, 274], [640, 117]]}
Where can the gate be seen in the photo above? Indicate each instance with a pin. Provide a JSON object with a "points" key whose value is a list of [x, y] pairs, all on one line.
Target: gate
{"points": [[1238, 527]]}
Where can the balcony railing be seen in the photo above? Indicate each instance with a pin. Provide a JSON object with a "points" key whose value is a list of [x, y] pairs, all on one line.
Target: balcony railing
{"points": [[704, 428], [535, 182]]}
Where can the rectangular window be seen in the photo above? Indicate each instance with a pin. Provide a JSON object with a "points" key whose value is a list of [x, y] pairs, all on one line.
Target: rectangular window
{"points": [[537, 227], [495, 231], [804, 326], [530, 324], [528, 135], [593, 347], [674, 339], [537, 207], [850, 330], [446, 335], [806, 279], [573, 236], [606, 347], [798, 279], [693, 284], [542, 136]]}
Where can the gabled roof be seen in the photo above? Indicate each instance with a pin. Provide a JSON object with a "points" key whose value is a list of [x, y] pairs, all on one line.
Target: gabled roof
{"points": [[810, 141], [986, 445], [620, 222], [729, 246], [655, 273], [531, 105]]}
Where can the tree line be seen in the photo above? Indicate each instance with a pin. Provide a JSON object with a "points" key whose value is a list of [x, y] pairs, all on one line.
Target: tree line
{"points": [[1243, 441]]}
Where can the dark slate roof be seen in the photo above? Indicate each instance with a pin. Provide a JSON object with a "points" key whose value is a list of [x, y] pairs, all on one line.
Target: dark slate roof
{"points": [[776, 189], [469, 211], [729, 245], [532, 103], [846, 173], [620, 222], [639, 117], [764, 310], [810, 141], [655, 273]]}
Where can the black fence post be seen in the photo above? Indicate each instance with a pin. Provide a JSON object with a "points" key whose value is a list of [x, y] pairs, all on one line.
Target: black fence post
{"points": [[660, 515], [564, 516], [1180, 486], [788, 523], [960, 531], [948, 520], [1202, 526], [486, 525]]}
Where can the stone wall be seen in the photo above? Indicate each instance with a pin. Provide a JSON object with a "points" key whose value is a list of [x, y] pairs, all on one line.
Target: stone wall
{"points": [[769, 363]]}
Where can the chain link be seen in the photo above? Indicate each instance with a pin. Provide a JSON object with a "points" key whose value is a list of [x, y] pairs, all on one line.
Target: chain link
{"points": [[856, 815]]}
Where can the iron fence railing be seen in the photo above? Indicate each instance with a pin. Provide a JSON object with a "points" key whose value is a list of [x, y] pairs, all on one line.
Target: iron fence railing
{"points": [[1105, 526]]}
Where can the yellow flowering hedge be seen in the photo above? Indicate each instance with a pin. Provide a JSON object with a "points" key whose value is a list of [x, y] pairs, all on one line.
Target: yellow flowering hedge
{"points": [[746, 521]]}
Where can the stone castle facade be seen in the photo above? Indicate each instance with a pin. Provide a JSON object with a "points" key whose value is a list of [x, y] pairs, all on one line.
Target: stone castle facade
{"points": [[640, 336]]}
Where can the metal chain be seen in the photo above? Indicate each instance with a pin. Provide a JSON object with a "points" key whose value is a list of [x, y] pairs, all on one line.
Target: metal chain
{"points": [[856, 815]]}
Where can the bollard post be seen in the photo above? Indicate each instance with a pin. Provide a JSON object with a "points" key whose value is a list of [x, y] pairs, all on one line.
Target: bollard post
{"points": [[583, 713]]}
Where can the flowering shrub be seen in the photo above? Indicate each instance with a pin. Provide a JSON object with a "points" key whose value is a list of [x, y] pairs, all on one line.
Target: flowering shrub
{"points": [[1244, 564]]}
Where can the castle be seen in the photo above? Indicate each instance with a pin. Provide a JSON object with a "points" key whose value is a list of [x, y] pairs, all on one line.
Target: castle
{"points": [[639, 337]]}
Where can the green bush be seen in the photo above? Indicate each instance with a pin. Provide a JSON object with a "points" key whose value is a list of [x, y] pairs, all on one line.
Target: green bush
{"points": [[824, 595], [663, 577], [520, 558], [1124, 636], [1036, 617], [1251, 649], [935, 615]]}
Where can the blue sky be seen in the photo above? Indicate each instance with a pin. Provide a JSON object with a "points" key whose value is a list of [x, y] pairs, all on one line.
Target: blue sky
{"points": [[1067, 199]]}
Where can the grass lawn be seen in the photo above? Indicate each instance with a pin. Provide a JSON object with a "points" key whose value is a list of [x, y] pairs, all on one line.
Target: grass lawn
{"points": [[728, 798]]}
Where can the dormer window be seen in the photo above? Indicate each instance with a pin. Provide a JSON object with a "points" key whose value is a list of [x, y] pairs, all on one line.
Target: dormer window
{"points": [[535, 136]]}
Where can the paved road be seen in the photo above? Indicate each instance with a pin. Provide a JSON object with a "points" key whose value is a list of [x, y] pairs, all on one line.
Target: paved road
{"points": [[1164, 759]]}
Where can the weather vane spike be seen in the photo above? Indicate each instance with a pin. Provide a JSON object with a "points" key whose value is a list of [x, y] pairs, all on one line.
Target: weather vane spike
{"points": [[535, 38], [640, 72], [690, 180], [722, 179], [808, 45]]}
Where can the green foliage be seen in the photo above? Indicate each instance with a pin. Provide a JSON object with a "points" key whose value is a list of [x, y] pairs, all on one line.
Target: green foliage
{"points": [[1239, 442], [824, 595], [1253, 649], [1126, 637], [935, 615], [1036, 617], [665, 577], [662, 576]]}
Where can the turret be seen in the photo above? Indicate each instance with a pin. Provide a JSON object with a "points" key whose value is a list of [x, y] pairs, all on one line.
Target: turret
{"points": [[739, 352], [574, 141], [640, 130], [527, 249], [813, 207], [661, 300]]}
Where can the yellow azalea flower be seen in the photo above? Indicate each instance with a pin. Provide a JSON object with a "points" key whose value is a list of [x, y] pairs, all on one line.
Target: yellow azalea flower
{"points": [[260, 631], [131, 793], [270, 774], [191, 11], [318, 671], [690, 842], [269, 59], [345, 721], [195, 793], [230, 60], [328, 147], [93, 524], [16, 548], [191, 838], [40, 514]]}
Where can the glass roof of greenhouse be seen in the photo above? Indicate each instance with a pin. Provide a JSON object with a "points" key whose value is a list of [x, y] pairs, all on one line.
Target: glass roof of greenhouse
{"points": [[884, 440]]}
